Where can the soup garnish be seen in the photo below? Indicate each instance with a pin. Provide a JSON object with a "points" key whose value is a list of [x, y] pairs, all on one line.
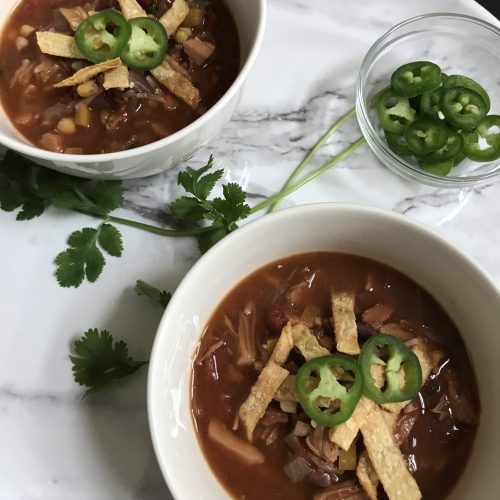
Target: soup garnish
{"points": [[98, 76], [330, 376]]}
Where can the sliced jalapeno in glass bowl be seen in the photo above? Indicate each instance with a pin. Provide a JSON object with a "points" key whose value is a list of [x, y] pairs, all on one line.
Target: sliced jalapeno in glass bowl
{"points": [[425, 136], [463, 108], [416, 78], [394, 112], [491, 139], [147, 45], [452, 147], [103, 36], [464, 81]]}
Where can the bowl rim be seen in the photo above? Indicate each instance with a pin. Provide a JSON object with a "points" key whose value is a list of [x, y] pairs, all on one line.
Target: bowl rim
{"points": [[25, 148], [231, 241], [381, 149]]}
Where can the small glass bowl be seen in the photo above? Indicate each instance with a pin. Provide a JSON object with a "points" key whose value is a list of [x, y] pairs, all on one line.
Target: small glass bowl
{"points": [[459, 44]]}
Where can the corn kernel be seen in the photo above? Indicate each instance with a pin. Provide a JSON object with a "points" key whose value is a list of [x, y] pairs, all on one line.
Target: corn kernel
{"points": [[87, 89], [26, 30], [195, 17], [66, 126], [182, 35], [82, 115]]}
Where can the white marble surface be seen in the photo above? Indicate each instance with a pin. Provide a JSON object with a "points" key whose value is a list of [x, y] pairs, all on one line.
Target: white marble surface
{"points": [[53, 444]]}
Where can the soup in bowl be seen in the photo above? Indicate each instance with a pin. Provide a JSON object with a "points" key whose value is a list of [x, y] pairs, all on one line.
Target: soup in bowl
{"points": [[265, 374], [112, 86]]}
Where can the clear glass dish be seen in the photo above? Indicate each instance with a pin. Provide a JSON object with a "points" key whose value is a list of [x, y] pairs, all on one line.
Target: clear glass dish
{"points": [[459, 44]]}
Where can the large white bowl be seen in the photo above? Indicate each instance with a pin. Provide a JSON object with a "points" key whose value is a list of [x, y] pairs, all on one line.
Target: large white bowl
{"points": [[250, 18], [461, 287]]}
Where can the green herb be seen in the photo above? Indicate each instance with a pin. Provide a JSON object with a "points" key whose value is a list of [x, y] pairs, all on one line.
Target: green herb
{"points": [[83, 258], [98, 360], [161, 296]]}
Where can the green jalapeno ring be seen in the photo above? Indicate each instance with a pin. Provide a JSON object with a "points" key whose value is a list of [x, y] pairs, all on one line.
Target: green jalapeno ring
{"points": [[329, 388], [453, 146], [103, 36], [472, 147], [147, 45], [468, 83], [442, 168], [394, 112], [463, 108], [416, 78], [400, 357], [430, 103], [398, 143], [426, 135]]}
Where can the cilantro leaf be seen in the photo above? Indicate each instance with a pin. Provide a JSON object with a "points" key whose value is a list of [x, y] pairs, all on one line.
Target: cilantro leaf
{"points": [[110, 239], [98, 360], [208, 240], [187, 207], [161, 296], [232, 207], [16, 188], [83, 259], [107, 196], [194, 182]]}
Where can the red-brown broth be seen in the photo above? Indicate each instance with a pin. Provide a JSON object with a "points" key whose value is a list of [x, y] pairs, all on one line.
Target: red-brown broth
{"points": [[436, 451], [115, 125]]}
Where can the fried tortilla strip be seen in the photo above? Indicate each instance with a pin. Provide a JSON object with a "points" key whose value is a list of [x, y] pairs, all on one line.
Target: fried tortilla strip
{"points": [[344, 434], [116, 78], [180, 86], [283, 347], [261, 394], [286, 391], [367, 476], [57, 44], [428, 361], [344, 323], [75, 16], [86, 74], [174, 16], [131, 9], [387, 459], [307, 343]]}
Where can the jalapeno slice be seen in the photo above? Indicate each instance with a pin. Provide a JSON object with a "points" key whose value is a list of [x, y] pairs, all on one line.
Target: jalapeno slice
{"points": [[430, 103], [103, 36], [416, 78], [453, 146], [398, 144], [399, 359], [463, 108], [464, 81], [322, 396], [425, 136], [394, 112], [147, 45], [472, 140], [442, 168]]}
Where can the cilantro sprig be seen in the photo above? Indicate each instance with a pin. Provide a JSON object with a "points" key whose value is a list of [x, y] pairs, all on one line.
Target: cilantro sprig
{"points": [[98, 360], [162, 297]]}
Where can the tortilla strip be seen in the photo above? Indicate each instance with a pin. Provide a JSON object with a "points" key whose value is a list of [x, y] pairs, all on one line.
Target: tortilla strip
{"points": [[131, 9], [57, 44], [344, 323], [261, 394], [286, 391], [428, 362], [344, 434], [174, 16], [74, 16], [387, 459], [85, 74], [180, 86], [177, 67], [116, 78], [283, 347], [367, 476], [307, 343]]}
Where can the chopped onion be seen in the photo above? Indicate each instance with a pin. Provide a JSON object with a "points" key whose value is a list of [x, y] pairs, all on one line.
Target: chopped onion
{"points": [[297, 469]]}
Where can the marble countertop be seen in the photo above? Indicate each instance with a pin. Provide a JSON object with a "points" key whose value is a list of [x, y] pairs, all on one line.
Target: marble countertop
{"points": [[56, 445]]}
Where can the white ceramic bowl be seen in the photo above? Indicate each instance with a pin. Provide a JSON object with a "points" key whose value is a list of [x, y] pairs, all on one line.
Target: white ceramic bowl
{"points": [[250, 18], [461, 287]]}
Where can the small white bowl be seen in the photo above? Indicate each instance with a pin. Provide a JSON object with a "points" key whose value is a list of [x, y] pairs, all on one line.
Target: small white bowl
{"points": [[250, 18], [459, 284]]}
